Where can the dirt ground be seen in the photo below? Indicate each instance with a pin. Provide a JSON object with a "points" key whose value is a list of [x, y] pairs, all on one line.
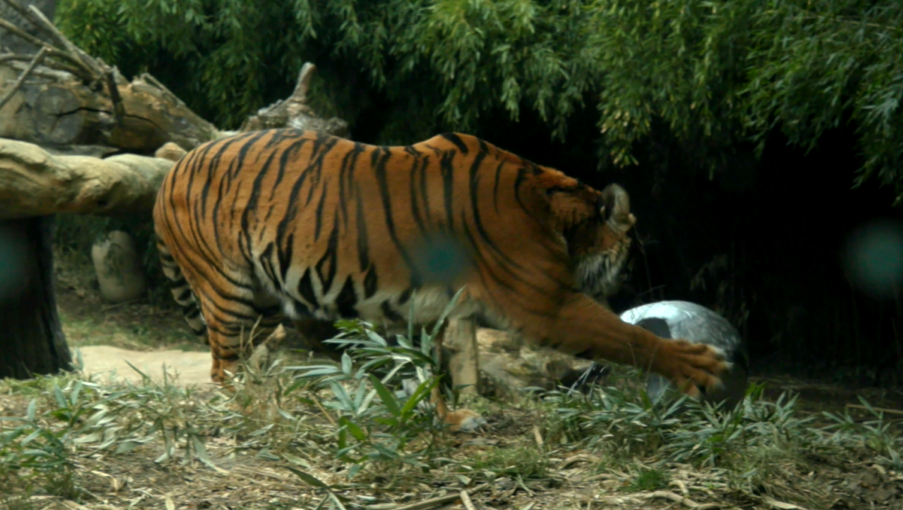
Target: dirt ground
{"points": [[150, 337]]}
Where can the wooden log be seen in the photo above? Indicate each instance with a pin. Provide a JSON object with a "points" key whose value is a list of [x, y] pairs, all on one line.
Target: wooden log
{"points": [[56, 109], [37, 183]]}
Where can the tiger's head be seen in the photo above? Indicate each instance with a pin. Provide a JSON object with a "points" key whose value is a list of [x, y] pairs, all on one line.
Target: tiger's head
{"points": [[601, 271], [595, 226]]}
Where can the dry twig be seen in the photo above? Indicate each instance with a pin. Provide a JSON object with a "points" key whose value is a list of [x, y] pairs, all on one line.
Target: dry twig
{"points": [[687, 502], [85, 67], [434, 502], [12, 90], [879, 409], [465, 499]]}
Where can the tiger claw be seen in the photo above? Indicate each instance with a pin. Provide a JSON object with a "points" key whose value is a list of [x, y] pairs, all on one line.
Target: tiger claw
{"points": [[695, 367]]}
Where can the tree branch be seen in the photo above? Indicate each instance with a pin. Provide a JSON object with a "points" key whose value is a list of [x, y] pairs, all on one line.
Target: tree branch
{"points": [[12, 90]]}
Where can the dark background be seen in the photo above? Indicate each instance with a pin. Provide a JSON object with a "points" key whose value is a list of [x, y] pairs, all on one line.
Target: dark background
{"points": [[762, 243]]}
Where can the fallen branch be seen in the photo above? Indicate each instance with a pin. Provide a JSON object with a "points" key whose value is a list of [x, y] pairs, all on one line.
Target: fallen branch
{"points": [[429, 503], [18, 84], [36, 183]]}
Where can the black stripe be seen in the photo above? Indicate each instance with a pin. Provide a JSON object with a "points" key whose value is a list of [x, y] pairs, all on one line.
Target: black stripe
{"points": [[389, 313], [455, 139], [346, 174], [424, 189], [266, 258], [323, 145], [291, 211], [370, 283], [363, 248], [226, 357], [319, 216], [301, 309], [191, 311], [347, 300], [483, 266], [251, 205], [285, 256], [306, 289], [381, 180], [495, 186], [285, 156], [204, 250], [328, 263], [184, 293], [214, 216], [475, 208], [448, 186], [418, 168], [237, 163]]}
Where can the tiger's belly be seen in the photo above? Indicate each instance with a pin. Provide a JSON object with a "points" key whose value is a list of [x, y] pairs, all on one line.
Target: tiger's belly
{"points": [[383, 307]]}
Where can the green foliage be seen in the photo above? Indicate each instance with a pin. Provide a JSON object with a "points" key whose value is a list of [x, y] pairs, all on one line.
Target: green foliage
{"points": [[876, 435], [398, 428], [628, 424], [649, 480], [521, 463], [712, 73], [41, 452]]}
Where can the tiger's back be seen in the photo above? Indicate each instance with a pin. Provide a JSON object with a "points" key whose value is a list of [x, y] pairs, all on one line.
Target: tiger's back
{"points": [[310, 225]]}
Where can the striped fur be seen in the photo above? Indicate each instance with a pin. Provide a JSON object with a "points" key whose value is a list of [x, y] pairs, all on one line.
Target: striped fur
{"points": [[286, 222]]}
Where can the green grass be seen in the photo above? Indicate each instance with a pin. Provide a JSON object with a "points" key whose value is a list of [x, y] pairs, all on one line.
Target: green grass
{"points": [[649, 480], [344, 422]]}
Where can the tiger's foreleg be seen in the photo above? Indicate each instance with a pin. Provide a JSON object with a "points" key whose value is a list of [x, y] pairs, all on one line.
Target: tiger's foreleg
{"points": [[586, 329], [461, 420]]}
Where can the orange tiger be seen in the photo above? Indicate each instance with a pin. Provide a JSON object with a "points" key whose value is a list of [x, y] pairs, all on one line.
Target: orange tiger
{"points": [[301, 223]]}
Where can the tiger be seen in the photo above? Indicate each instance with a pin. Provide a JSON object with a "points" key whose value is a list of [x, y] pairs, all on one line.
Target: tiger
{"points": [[262, 225]]}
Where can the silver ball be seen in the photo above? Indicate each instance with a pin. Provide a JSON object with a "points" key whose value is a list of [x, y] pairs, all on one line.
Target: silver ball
{"points": [[697, 324]]}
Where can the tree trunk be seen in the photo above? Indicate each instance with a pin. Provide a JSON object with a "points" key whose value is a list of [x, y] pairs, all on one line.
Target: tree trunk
{"points": [[32, 342]]}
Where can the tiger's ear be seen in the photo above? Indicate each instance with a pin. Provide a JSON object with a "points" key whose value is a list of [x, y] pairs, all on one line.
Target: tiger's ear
{"points": [[615, 209]]}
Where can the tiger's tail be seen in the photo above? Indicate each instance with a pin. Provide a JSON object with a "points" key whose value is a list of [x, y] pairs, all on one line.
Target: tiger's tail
{"points": [[181, 291]]}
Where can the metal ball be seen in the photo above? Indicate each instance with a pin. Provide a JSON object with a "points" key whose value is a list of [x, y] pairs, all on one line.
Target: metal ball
{"points": [[697, 324]]}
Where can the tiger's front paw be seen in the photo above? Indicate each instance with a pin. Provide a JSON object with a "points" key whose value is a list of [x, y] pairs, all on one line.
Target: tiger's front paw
{"points": [[693, 366]]}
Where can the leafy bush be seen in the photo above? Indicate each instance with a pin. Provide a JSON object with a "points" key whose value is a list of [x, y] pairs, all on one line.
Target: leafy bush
{"points": [[398, 427], [711, 73]]}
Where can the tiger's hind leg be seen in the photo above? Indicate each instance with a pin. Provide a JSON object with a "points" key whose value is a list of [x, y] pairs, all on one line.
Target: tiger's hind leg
{"points": [[237, 320]]}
